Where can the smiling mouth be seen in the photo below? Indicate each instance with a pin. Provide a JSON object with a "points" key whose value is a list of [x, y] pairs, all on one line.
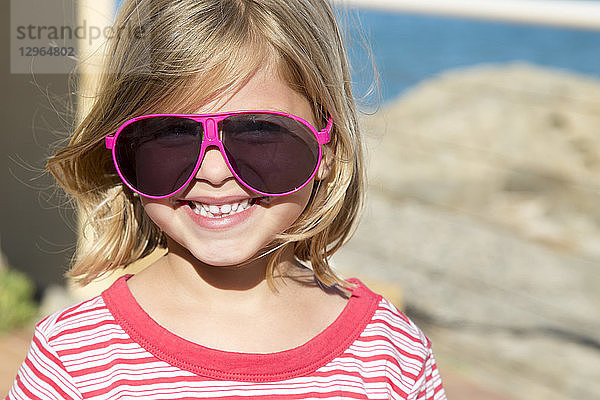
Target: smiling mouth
{"points": [[225, 210]]}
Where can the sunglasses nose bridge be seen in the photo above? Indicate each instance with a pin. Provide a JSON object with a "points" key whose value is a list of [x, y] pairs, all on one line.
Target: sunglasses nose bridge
{"points": [[211, 132], [211, 138]]}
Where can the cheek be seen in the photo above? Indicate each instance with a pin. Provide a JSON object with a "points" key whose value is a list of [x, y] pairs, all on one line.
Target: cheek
{"points": [[287, 209], [158, 212]]}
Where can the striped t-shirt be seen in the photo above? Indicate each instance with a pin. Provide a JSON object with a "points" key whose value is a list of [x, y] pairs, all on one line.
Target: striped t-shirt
{"points": [[109, 348]]}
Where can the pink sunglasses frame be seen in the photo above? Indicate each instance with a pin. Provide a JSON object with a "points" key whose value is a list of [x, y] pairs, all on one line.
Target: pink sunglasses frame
{"points": [[211, 137]]}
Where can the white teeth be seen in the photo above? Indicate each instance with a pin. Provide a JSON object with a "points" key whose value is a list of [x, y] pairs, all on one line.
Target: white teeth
{"points": [[215, 211], [195, 208]]}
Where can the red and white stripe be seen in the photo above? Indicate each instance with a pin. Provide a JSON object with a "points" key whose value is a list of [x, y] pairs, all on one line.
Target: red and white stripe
{"points": [[85, 353]]}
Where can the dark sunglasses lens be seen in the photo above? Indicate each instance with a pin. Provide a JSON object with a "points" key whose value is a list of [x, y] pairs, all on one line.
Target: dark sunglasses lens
{"points": [[157, 155], [271, 153]]}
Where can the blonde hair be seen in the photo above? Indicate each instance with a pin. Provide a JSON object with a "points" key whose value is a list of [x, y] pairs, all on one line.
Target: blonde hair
{"points": [[186, 53]]}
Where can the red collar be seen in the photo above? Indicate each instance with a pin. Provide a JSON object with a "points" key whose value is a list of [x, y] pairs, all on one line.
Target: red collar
{"points": [[224, 365]]}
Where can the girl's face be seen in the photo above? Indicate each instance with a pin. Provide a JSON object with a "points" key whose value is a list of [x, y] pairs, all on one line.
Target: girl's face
{"points": [[253, 220]]}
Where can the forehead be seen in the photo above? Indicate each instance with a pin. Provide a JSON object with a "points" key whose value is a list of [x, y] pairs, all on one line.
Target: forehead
{"points": [[265, 89], [222, 78]]}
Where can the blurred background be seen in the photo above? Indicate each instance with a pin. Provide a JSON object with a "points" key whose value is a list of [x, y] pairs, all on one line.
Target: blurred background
{"points": [[483, 213]]}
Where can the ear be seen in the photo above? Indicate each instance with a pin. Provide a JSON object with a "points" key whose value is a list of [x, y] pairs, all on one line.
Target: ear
{"points": [[326, 163]]}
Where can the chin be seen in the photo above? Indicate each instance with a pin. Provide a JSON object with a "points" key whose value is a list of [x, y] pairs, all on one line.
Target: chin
{"points": [[223, 258]]}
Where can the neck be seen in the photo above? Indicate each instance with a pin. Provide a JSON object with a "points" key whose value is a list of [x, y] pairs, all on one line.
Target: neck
{"points": [[197, 281]]}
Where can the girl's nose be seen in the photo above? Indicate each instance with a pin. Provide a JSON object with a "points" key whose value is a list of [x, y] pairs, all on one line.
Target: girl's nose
{"points": [[213, 169]]}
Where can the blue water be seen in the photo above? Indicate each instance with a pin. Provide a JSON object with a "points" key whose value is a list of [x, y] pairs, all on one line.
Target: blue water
{"points": [[410, 48]]}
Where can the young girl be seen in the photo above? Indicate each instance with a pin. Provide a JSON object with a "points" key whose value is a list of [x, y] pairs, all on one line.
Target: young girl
{"points": [[225, 131]]}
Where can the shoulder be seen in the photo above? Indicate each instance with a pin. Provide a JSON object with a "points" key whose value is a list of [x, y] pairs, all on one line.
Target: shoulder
{"points": [[392, 345], [49, 371], [75, 321], [392, 328]]}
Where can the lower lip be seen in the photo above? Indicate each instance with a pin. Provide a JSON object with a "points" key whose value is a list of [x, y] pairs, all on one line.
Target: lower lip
{"points": [[223, 223]]}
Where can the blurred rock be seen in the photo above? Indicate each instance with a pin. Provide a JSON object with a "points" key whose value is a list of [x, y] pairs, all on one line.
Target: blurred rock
{"points": [[515, 145], [484, 205]]}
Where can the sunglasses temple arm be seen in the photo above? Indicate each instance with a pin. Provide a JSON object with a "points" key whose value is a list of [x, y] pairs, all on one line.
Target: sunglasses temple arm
{"points": [[324, 135], [109, 142]]}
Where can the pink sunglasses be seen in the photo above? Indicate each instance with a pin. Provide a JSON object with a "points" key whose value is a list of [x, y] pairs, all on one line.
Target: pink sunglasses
{"points": [[271, 153]]}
